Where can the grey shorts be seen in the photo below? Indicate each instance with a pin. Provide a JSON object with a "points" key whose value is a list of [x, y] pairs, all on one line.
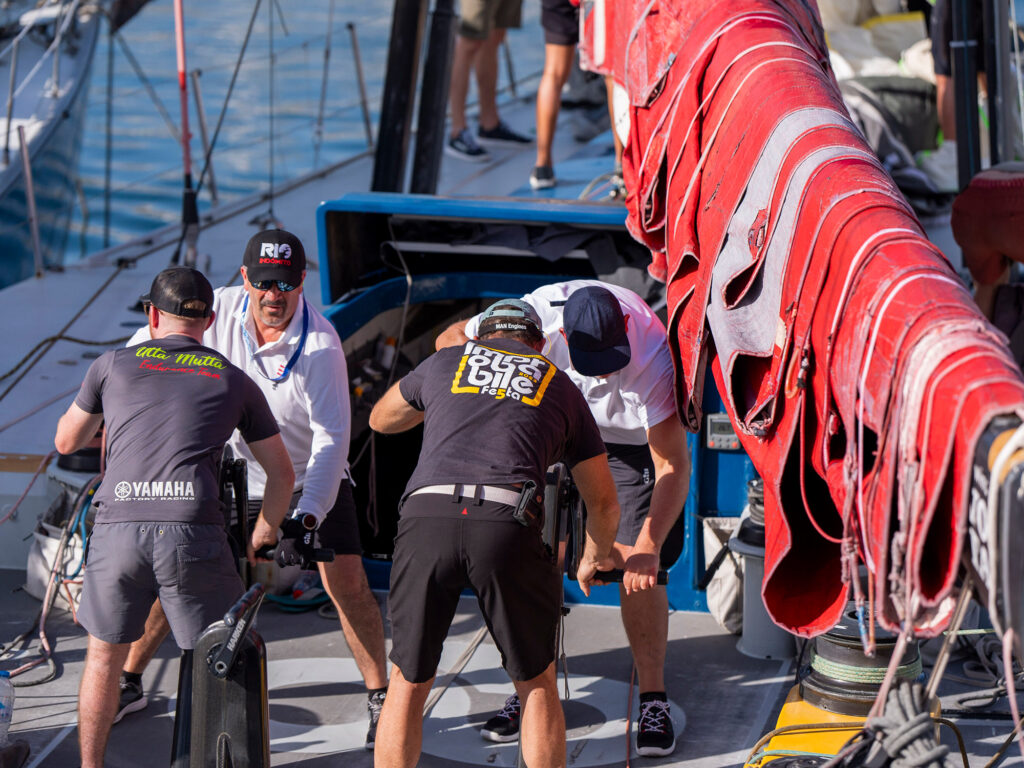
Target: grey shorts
{"points": [[189, 567], [478, 18], [632, 470]]}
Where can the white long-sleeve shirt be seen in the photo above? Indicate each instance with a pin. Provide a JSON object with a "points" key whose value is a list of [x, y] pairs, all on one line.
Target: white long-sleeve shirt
{"points": [[311, 404]]}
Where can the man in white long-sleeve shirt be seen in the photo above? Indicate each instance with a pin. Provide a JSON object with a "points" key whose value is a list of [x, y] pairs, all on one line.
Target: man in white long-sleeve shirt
{"points": [[268, 329]]}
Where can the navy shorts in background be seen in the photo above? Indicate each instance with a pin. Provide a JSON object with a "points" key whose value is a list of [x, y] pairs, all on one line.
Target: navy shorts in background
{"points": [[561, 22]]}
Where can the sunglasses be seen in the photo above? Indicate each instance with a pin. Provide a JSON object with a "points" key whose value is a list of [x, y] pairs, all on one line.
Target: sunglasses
{"points": [[266, 285]]}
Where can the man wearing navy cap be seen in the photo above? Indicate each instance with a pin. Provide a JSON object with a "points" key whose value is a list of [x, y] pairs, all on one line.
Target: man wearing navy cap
{"points": [[495, 415], [615, 350], [293, 353], [169, 405]]}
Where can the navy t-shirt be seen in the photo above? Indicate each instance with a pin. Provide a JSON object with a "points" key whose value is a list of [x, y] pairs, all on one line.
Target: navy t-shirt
{"points": [[496, 412], [169, 406]]}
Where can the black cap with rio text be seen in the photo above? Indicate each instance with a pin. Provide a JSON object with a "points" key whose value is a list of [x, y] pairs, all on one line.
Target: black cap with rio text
{"points": [[274, 254]]}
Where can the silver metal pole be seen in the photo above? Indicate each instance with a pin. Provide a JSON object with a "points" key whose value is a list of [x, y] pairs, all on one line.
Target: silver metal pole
{"points": [[204, 134], [30, 197], [57, 33], [318, 131], [509, 68], [10, 102], [362, 84]]}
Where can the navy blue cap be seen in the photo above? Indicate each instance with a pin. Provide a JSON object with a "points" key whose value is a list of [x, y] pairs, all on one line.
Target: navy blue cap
{"points": [[509, 315], [595, 329]]}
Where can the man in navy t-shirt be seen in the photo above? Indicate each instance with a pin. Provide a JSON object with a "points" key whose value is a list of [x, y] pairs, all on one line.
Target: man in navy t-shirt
{"points": [[496, 414], [169, 406]]}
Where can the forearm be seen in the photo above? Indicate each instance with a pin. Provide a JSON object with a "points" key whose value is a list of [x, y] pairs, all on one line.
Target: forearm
{"points": [[667, 501], [325, 471], [453, 335], [602, 525], [277, 497]]}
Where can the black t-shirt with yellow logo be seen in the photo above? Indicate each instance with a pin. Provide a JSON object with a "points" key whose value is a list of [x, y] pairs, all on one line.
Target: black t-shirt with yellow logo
{"points": [[169, 407], [496, 412]]}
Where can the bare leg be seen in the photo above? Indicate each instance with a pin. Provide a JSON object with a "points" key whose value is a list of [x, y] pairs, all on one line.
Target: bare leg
{"points": [[97, 698], [645, 617], [947, 106], [487, 78], [400, 730], [557, 63], [609, 85], [141, 652], [542, 734], [462, 61], [345, 582]]}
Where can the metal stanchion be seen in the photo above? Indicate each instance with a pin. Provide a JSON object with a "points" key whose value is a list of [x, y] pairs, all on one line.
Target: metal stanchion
{"points": [[362, 85], [204, 134], [10, 103], [30, 198]]}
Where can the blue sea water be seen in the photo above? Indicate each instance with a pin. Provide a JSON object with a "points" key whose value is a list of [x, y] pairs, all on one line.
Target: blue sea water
{"points": [[282, 102]]}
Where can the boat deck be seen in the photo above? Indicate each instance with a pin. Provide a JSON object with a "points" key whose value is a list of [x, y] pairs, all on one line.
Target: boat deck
{"points": [[722, 700]]}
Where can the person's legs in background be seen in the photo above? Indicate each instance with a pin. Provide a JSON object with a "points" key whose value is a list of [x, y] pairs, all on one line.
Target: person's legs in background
{"points": [[476, 23], [492, 130], [618, 185], [560, 20], [557, 64]]}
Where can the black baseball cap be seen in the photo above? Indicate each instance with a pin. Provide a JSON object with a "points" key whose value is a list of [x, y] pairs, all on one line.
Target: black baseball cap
{"points": [[274, 254], [595, 329], [175, 287], [509, 315]]}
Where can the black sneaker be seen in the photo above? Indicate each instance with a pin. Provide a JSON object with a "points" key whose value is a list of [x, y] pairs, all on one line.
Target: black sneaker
{"points": [[132, 699], [654, 734], [504, 726], [374, 704], [501, 134], [542, 177], [465, 146]]}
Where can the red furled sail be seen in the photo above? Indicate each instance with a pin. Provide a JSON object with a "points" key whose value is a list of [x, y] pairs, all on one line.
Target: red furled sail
{"points": [[853, 361]]}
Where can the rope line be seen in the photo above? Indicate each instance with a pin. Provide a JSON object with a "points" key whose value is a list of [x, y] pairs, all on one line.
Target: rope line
{"points": [[870, 675]]}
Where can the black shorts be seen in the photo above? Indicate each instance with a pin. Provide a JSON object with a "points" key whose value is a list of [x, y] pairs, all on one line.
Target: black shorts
{"points": [[632, 468], [340, 528], [942, 32], [438, 553], [561, 22]]}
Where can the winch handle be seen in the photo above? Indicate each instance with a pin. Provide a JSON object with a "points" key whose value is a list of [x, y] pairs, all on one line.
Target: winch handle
{"points": [[616, 574], [319, 555]]}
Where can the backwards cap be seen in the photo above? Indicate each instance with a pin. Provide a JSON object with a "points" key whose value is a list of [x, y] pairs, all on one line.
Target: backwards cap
{"points": [[510, 315], [177, 286]]}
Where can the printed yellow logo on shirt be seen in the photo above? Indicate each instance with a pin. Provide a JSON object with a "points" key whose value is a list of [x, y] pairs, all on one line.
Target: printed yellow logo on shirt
{"points": [[492, 372]]}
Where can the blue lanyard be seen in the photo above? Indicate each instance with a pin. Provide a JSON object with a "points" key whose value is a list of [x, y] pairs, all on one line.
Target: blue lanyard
{"points": [[295, 355]]}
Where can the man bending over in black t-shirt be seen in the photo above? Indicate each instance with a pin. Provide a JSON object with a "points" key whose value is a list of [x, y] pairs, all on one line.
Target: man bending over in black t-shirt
{"points": [[496, 414]]}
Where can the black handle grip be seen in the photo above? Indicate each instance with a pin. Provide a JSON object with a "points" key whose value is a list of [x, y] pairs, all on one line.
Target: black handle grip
{"points": [[319, 555], [616, 574]]}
